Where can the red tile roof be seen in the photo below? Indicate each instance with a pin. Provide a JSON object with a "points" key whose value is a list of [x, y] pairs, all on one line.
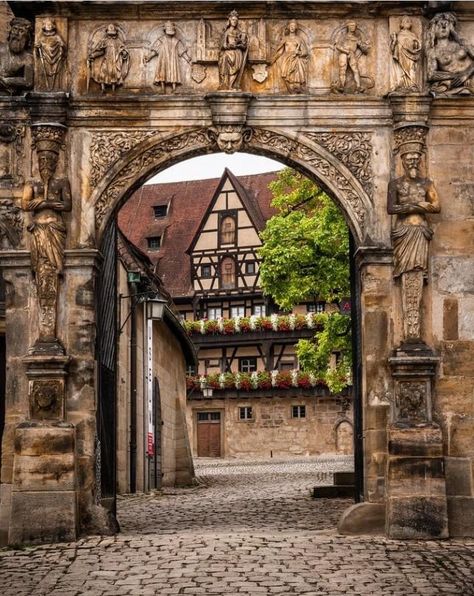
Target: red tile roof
{"points": [[188, 202]]}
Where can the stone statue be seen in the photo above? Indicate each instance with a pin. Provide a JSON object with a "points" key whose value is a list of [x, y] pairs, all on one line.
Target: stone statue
{"points": [[229, 138], [406, 53], [233, 54], [168, 49], [47, 198], [350, 45], [450, 59], [51, 50], [108, 61], [293, 55], [411, 198], [16, 58]]}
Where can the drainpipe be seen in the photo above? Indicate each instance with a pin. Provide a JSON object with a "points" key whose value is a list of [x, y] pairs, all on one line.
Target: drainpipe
{"points": [[133, 394]]}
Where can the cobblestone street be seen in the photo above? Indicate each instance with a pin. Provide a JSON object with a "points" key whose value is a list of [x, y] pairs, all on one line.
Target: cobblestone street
{"points": [[244, 529]]}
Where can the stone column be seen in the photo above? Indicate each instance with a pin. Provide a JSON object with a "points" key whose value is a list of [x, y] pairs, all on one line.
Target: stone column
{"points": [[415, 475]]}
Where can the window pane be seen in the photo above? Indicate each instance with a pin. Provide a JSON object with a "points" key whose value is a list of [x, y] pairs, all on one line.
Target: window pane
{"points": [[203, 416], [237, 311], [228, 230], [206, 271], [154, 242], [250, 267], [259, 310], [247, 365], [160, 210], [215, 415], [214, 313]]}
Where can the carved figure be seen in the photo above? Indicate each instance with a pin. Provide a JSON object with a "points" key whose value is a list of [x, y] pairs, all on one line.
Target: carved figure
{"points": [[233, 54], [51, 50], [230, 138], [168, 49], [406, 52], [350, 45], [16, 58], [450, 58], [293, 53], [108, 61], [47, 199], [412, 401], [410, 198]]}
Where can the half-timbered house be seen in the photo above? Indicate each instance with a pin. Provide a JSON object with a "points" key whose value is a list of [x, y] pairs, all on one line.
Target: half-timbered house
{"points": [[246, 397]]}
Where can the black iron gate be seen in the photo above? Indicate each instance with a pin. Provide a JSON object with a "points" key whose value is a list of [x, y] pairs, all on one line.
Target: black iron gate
{"points": [[107, 356], [155, 460], [356, 375]]}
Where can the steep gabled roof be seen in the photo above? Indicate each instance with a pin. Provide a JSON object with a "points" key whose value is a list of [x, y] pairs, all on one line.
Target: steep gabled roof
{"points": [[188, 204], [250, 205]]}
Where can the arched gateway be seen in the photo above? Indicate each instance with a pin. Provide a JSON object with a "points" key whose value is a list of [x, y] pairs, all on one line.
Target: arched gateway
{"points": [[114, 93]]}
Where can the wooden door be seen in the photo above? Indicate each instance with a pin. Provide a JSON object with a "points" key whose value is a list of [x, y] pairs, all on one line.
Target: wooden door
{"points": [[209, 434]]}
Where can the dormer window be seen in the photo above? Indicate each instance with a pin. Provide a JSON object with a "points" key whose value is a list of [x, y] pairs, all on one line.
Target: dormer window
{"points": [[154, 242], [160, 211], [227, 230]]}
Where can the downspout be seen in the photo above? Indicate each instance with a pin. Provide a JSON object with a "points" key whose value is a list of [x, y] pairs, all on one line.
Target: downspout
{"points": [[133, 394]]}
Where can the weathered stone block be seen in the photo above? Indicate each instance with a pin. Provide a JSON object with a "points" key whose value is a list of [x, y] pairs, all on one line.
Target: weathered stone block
{"points": [[461, 516], [450, 319], [422, 441], [453, 275], [416, 476], [458, 358], [459, 476], [36, 439], [46, 472], [419, 518], [43, 516], [363, 518]]}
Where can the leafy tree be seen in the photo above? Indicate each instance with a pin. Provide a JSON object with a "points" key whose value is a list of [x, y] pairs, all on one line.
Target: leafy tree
{"points": [[305, 255]]}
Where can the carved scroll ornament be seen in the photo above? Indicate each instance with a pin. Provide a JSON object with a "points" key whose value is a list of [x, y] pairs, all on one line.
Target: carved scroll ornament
{"points": [[353, 149]]}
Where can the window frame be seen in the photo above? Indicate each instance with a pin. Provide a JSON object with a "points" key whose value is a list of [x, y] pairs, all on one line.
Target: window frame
{"points": [[233, 316], [151, 238], [300, 410], [254, 265], [250, 365], [155, 207], [245, 410], [213, 308], [207, 265], [223, 215]]}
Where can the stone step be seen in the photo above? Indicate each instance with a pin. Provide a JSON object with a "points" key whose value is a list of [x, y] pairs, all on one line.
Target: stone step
{"points": [[341, 491]]}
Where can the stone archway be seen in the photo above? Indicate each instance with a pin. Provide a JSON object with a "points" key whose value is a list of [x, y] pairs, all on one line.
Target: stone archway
{"points": [[108, 136]]}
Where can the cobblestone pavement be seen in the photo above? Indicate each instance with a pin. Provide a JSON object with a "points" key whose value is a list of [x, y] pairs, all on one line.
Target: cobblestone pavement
{"points": [[245, 529]]}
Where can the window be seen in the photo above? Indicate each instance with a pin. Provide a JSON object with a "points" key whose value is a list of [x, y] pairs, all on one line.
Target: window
{"points": [[154, 242], [214, 313], [206, 416], [160, 211], [191, 370], [316, 307], [298, 411], [245, 413], [259, 310], [250, 267], [247, 365], [227, 230], [237, 311], [206, 271], [227, 272]]}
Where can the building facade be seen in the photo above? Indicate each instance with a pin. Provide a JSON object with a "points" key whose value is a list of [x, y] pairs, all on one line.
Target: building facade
{"points": [[203, 237]]}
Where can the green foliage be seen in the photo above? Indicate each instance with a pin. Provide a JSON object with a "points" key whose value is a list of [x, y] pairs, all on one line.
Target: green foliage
{"points": [[305, 256], [305, 250]]}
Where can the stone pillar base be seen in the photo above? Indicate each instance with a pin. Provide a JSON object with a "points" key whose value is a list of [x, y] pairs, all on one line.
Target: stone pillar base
{"points": [[416, 486], [43, 498]]}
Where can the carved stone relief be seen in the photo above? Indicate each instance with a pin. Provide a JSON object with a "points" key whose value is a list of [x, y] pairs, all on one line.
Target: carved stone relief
{"points": [[108, 59], [233, 54], [292, 54], [410, 198], [450, 59], [406, 50], [50, 48], [230, 138], [411, 401], [47, 198], [168, 49], [265, 140], [350, 45], [108, 147], [143, 162], [11, 154], [11, 224], [16, 58], [46, 398], [353, 149]]}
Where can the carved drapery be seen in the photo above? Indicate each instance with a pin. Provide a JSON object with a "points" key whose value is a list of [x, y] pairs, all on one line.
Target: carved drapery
{"points": [[129, 168]]}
